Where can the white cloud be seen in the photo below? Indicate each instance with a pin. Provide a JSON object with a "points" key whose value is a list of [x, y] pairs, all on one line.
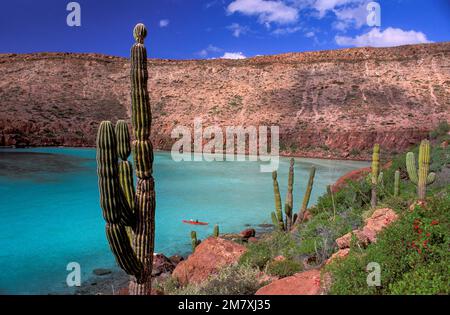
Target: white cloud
{"points": [[310, 34], [210, 49], [267, 11], [348, 17], [387, 38], [238, 29], [233, 55], [323, 6], [286, 30], [164, 23]]}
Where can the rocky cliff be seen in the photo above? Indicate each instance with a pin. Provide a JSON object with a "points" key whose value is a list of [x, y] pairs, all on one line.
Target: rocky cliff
{"points": [[328, 104]]}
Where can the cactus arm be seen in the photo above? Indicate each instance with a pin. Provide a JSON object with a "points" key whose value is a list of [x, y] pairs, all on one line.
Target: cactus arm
{"points": [[123, 252], [125, 168], [112, 200], [307, 197], [411, 167], [397, 183]]}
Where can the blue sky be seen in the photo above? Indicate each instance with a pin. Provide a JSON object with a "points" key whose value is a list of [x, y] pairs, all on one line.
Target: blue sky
{"points": [[192, 29]]}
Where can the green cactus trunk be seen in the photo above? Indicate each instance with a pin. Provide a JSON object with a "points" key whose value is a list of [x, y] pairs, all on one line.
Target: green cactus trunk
{"points": [[194, 240], [375, 174], [123, 207], [424, 178], [289, 197], [216, 231], [307, 197], [278, 210], [397, 183]]}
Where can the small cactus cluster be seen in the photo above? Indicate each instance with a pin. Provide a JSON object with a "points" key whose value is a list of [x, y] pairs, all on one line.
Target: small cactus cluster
{"points": [[285, 224], [130, 213], [421, 176], [376, 177]]}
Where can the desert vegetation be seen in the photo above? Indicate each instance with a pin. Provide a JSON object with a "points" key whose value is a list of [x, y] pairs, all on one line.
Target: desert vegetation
{"points": [[411, 249]]}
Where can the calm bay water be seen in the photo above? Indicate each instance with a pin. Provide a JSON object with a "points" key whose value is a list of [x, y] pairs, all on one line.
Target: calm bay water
{"points": [[50, 212]]}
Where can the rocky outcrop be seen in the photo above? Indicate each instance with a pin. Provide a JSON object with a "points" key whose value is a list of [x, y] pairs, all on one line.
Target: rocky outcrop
{"points": [[211, 255], [380, 219], [302, 283], [331, 104], [310, 282], [162, 265], [247, 233]]}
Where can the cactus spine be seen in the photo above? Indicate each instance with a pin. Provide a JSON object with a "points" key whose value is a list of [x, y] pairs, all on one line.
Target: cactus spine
{"points": [[424, 178], [194, 240], [216, 231], [289, 198], [397, 183], [309, 186], [123, 207], [376, 176]]}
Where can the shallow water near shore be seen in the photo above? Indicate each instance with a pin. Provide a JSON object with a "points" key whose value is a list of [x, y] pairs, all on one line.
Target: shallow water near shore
{"points": [[50, 213]]}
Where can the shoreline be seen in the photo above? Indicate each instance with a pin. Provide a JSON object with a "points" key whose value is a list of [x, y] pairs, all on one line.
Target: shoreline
{"points": [[115, 281], [282, 153]]}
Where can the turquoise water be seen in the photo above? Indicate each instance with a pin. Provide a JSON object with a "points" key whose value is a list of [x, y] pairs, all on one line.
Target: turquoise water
{"points": [[50, 212]]}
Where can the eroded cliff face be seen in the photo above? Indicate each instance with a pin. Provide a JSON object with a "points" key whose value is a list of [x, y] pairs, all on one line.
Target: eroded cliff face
{"points": [[334, 104]]}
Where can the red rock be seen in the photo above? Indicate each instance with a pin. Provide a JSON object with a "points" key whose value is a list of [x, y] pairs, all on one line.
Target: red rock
{"points": [[176, 259], [280, 258], [248, 233], [212, 254], [252, 240], [340, 254], [378, 221], [306, 216], [302, 283], [161, 264], [345, 241]]}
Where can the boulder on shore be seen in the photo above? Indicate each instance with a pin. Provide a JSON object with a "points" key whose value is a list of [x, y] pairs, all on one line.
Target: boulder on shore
{"points": [[211, 255], [302, 283]]}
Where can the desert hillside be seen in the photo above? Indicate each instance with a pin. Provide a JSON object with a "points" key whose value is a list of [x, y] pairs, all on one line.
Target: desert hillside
{"points": [[328, 104]]}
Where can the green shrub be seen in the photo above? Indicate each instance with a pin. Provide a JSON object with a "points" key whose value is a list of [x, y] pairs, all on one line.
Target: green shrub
{"points": [[231, 280], [416, 245], [260, 253], [442, 129], [284, 268]]}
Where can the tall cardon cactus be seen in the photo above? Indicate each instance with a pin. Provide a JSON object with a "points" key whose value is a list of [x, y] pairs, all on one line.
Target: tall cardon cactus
{"points": [[130, 214], [376, 175], [277, 216], [289, 204], [424, 178]]}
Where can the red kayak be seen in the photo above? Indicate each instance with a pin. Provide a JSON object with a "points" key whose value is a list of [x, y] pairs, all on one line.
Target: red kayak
{"points": [[194, 222]]}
